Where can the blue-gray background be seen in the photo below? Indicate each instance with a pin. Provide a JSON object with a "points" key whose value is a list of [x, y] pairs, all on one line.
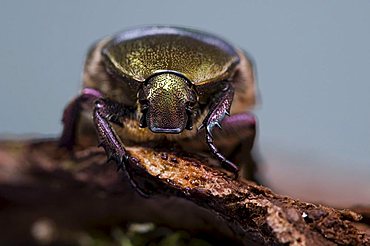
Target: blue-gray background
{"points": [[312, 58]]}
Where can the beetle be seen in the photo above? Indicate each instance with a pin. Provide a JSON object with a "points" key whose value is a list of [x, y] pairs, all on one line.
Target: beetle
{"points": [[157, 83]]}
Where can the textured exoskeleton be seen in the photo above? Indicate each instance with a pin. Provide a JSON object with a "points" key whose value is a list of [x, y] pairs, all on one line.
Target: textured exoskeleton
{"points": [[163, 83]]}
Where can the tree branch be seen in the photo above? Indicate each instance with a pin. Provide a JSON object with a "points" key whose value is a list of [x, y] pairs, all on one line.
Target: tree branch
{"points": [[39, 180]]}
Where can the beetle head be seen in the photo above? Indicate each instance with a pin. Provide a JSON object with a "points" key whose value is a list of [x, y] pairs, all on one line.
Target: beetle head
{"points": [[166, 102]]}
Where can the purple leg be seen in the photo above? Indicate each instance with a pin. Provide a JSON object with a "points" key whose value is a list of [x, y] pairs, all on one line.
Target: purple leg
{"points": [[242, 124], [240, 128], [108, 138], [219, 108], [72, 113], [105, 113]]}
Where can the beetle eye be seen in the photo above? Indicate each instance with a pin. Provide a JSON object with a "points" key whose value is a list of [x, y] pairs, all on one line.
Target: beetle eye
{"points": [[144, 106], [189, 111]]}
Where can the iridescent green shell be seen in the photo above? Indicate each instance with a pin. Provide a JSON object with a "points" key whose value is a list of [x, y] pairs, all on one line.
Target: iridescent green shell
{"points": [[139, 53]]}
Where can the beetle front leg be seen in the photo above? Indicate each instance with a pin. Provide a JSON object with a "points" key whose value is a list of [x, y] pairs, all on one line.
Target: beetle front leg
{"points": [[218, 109], [108, 139], [105, 112]]}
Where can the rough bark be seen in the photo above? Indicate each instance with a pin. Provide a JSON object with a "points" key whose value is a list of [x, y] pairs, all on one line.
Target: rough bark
{"points": [[40, 182]]}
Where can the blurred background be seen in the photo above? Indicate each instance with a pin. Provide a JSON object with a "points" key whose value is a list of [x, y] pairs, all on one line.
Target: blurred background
{"points": [[313, 71]]}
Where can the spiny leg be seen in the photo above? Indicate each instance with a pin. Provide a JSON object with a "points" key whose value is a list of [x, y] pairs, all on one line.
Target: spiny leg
{"points": [[236, 140], [104, 110], [218, 109], [107, 111]]}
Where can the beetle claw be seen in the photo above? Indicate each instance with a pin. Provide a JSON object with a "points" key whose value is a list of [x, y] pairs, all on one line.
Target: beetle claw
{"points": [[123, 159], [218, 125]]}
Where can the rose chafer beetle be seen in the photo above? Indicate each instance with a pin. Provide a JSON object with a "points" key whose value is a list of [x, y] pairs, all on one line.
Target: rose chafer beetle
{"points": [[165, 83]]}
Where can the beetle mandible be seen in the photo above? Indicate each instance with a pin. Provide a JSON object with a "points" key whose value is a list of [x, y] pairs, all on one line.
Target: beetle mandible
{"points": [[161, 82]]}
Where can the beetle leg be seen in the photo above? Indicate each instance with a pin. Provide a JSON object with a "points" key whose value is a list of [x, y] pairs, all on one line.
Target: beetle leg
{"points": [[241, 130], [71, 115], [218, 109], [107, 111], [108, 138]]}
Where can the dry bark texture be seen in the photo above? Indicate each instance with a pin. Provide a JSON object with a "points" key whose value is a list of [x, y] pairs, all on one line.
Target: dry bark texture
{"points": [[40, 183]]}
